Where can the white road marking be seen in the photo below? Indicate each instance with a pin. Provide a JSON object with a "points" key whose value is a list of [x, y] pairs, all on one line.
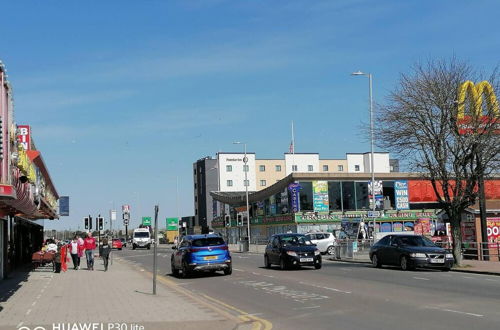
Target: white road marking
{"points": [[468, 277], [271, 276], [238, 270], [20, 324], [255, 273], [142, 270], [28, 312], [422, 278], [307, 307], [458, 312], [242, 257], [34, 303]]}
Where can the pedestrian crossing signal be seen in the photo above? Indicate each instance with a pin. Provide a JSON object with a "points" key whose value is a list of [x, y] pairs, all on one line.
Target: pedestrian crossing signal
{"points": [[100, 223], [86, 221]]}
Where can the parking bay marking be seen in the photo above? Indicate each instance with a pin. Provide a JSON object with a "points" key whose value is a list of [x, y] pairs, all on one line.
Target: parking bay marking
{"points": [[454, 311], [296, 295]]}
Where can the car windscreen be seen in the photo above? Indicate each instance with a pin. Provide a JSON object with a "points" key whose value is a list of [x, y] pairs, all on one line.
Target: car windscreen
{"points": [[141, 234], [415, 241], [295, 240], [209, 241]]}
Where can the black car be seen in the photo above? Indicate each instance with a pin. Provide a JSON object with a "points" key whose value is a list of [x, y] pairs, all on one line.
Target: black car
{"points": [[291, 250], [410, 252]]}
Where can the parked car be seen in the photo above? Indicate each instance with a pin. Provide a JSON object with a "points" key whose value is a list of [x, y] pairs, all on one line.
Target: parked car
{"points": [[124, 242], [288, 250], [325, 242], [117, 244], [201, 253], [410, 252]]}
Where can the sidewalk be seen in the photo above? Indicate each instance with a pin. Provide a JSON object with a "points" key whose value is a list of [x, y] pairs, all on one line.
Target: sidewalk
{"points": [[468, 266], [121, 295]]}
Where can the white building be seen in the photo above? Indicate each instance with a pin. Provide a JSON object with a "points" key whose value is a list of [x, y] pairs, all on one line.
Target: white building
{"points": [[232, 171], [361, 162], [303, 162]]}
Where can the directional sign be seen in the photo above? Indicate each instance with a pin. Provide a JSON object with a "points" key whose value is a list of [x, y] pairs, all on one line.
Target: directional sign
{"points": [[172, 223], [146, 221], [373, 214]]}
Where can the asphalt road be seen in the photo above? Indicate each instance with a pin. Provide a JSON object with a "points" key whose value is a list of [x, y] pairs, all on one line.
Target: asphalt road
{"points": [[343, 295]]}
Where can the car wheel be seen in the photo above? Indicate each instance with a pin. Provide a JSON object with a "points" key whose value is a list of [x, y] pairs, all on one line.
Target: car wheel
{"points": [[283, 265], [133, 247], [120, 249], [266, 261], [185, 271], [330, 250], [446, 269], [376, 262], [228, 270], [404, 263], [149, 247], [317, 266]]}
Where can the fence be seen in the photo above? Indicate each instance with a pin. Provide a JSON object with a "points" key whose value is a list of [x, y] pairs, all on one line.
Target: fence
{"points": [[353, 249]]}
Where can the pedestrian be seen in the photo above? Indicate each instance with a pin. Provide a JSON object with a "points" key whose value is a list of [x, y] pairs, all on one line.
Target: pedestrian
{"points": [[104, 252], [75, 249], [89, 246]]}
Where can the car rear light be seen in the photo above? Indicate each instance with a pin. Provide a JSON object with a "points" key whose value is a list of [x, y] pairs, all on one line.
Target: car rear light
{"points": [[197, 249]]}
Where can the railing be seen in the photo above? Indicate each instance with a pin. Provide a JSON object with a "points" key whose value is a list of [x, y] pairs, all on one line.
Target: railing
{"points": [[355, 249]]}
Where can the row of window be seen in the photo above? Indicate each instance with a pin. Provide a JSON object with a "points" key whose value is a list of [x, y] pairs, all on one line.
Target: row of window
{"points": [[277, 168]]}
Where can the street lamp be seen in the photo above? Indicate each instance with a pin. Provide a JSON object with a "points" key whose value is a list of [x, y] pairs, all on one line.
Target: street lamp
{"points": [[369, 75], [245, 169]]}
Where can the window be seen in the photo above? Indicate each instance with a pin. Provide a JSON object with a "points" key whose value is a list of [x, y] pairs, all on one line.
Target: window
{"points": [[340, 168], [195, 185], [229, 168], [229, 183], [278, 168], [194, 170], [294, 168], [263, 183], [246, 183], [356, 168], [262, 168], [195, 198], [245, 168], [310, 168], [325, 168]]}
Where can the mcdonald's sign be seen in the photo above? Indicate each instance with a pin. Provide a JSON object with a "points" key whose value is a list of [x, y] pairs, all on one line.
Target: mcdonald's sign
{"points": [[476, 122]]}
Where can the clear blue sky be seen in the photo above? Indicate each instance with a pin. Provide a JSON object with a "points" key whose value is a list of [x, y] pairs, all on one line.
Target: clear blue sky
{"points": [[123, 96]]}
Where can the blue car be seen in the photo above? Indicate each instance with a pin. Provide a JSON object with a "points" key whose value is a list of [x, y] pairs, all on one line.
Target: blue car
{"points": [[201, 253]]}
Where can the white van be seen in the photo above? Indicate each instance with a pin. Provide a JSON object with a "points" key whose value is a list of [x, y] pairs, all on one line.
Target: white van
{"points": [[141, 238]]}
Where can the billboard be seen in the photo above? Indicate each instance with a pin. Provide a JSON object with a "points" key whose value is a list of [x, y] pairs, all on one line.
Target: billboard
{"points": [[64, 206], [24, 136], [294, 200], [401, 197], [320, 196], [172, 224]]}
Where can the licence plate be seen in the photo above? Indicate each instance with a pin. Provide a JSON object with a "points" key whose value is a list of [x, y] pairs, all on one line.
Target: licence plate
{"points": [[437, 261], [210, 258], [306, 259]]}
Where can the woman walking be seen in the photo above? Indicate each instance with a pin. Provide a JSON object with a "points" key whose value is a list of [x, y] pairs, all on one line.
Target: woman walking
{"points": [[75, 249], [104, 251]]}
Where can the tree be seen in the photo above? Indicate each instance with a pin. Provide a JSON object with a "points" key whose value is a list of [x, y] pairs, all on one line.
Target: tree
{"points": [[431, 120]]}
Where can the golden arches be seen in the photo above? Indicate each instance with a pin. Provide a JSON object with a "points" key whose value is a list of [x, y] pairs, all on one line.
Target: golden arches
{"points": [[476, 93]]}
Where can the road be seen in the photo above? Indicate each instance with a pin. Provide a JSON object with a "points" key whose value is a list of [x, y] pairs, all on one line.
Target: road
{"points": [[342, 295]]}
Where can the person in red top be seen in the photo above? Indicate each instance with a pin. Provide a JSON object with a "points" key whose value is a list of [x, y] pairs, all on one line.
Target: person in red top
{"points": [[89, 246]]}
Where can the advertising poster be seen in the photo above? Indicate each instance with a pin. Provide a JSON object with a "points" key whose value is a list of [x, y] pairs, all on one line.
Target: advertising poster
{"points": [[397, 226], [423, 227], [64, 206], [469, 229], [409, 226], [385, 227], [294, 189], [493, 230], [376, 189], [320, 196], [401, 196]]}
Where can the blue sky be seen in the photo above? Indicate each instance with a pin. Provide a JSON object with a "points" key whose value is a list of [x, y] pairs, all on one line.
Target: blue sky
{"points": [[123, 96]]}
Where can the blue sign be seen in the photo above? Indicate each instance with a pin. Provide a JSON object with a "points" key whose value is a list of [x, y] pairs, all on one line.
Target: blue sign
{"points": [[64, 206], [294, 189], [401, 195]]}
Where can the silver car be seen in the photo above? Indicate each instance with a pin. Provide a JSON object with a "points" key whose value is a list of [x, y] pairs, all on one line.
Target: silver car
{"points": [[324, 241]]}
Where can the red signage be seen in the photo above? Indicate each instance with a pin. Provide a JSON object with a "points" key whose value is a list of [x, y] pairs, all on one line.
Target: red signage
{"points": [[24, 136], [493, 229]]}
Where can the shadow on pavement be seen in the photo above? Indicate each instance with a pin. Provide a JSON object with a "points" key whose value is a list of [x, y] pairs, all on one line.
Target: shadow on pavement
{"points": [[13, 282]]}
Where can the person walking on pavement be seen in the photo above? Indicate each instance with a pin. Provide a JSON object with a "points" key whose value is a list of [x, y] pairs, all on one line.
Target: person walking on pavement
{"points": [[75, 249], [104, 252], [89, 246]]}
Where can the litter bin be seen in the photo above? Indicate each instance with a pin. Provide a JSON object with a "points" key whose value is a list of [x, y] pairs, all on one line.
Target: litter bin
{"points": [[243, 244]]}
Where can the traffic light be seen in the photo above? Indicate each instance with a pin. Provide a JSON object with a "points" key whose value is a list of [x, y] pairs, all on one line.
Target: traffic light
{"points": [[239, 219], [100, 222], [227, 220], [86, 220]]}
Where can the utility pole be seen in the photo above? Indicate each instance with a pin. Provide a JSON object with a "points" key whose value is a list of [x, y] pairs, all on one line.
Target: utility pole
{"points": [[154, 249]]}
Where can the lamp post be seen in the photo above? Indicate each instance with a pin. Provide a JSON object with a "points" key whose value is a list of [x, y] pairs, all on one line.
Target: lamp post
{"points": [[372, 167], [245, 169]]}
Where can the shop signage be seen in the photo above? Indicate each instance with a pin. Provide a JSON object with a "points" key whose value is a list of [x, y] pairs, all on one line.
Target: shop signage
{"points": [[64, 206], [24, 136], [173, 223], [320, 196], [493, 230], [294, 189], [401, 195], [312, 217], [146, 221], [273, 220], [375, 188], [25, 165]]}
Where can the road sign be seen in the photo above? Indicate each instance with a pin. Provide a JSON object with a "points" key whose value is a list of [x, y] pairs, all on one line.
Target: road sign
{"points": [[146, 221], [113, 215], [125, 222], [373, 214], [172, 223]]}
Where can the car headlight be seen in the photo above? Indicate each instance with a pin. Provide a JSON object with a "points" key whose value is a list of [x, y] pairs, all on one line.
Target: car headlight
{"points": [[291, 253], [317, 253], [449, 256], [418, 255]]}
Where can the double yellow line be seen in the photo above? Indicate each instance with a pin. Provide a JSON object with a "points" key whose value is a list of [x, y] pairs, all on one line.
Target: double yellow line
{"points": [[219, 306]]}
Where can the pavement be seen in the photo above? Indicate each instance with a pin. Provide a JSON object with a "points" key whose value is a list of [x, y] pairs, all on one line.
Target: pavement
{"points": [[342, 295], [119, 298]]}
